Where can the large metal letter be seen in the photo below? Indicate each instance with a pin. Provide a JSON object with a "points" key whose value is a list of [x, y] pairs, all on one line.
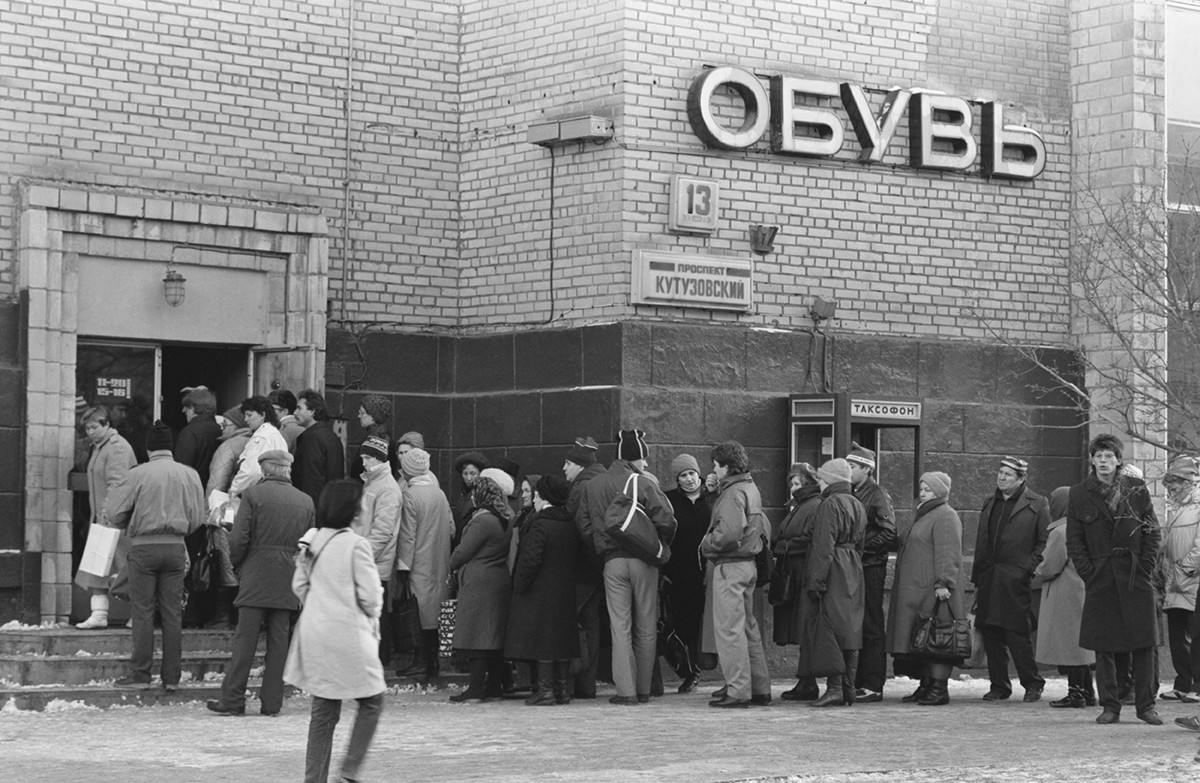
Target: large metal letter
{"points": [[826, 132], [748, 88], [1026, 154], [874, 134], [924, 129]]}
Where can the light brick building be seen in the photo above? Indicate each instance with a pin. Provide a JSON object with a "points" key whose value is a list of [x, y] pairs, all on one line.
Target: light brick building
{"points": [[351, 191]]}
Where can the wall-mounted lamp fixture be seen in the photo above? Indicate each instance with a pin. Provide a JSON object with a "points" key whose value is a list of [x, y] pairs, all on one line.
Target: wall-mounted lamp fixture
{"points": [[762, 239], [822, 310], [173, 287]]}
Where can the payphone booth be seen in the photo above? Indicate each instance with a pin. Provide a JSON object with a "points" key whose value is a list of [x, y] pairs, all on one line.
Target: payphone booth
{"points": [[823, 426]]}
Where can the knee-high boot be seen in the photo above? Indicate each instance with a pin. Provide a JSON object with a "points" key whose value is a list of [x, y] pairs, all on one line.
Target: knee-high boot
{"points": [[834, 695], [433, 663], [476, 686], [539, 676], [562, 678], [939, 674], [851, 659]]}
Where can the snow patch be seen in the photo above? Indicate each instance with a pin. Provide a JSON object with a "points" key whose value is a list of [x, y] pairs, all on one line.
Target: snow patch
{"points": [[63, 705], [17, 625]]}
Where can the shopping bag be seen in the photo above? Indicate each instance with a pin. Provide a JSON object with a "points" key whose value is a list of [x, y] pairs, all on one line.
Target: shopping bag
{"points": [[820, 653], [99, 551], [626, 522], [978, 659]]}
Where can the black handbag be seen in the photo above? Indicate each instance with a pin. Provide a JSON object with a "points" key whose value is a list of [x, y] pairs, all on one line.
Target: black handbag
{"points": [[202, 572], [783, 584], [945, 638], [626, 522]]}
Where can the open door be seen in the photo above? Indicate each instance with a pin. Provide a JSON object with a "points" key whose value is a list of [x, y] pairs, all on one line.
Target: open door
{"points": [[290, 367]]}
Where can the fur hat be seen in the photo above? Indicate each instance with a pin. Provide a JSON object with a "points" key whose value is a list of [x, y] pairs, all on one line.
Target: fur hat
{"points": [[554, 489], [835, 471], [415, 462], [1016, 465], [502, 480], [414, 439], [160, 438], [475, 458], [938, 482], [275, 457], [376, 447], [631, 445], [377, 407], [684, 462], [861, 456]]}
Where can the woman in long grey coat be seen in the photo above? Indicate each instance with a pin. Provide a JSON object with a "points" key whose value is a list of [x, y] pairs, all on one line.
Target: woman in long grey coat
{"points": [[335, 647], [1061, 608], [793, 536], [480, 562], [928, 572]]}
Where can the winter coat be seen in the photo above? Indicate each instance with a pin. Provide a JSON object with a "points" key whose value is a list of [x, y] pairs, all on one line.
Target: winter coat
{"points": [[1180, 560], [320, 459], [833, 578], [197, 443], [335, 646], [685, 588], [1062, 604], [158, 502], [931, 556], [880, 538], [541, 620], [600, 492], [423, 546], [265, 438], [110, 460], [224, 464], [792, 539], [1005, 560], [484, 584], [591, 568], [738, 523], [1115, 554], [378, 519], [272, 517]]}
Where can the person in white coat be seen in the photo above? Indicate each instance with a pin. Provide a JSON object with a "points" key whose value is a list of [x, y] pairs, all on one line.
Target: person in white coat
{"points": [[334, 652], [264, 437], [1180, 564]]}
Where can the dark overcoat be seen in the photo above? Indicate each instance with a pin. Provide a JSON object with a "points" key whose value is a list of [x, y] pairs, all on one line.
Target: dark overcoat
{"points": [[684, 570], [262, 545], [930, 557], [484, 584], [1114, 553], [1005, 560], [541, 620], [833, 567], [791, 549]]}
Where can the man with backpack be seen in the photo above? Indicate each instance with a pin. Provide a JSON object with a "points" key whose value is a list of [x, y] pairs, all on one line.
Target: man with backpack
{"points": [[630, 578]]}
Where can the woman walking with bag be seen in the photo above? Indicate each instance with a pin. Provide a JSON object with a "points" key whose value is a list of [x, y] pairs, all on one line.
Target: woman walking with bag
{"points": [[335, 648], [928, 569]]}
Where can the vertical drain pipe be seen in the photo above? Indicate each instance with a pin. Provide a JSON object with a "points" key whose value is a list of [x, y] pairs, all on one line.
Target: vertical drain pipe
{"points": [[348, 111]]}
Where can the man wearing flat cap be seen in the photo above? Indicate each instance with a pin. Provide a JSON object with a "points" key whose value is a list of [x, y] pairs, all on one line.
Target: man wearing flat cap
{"points": [[271, 518], [1013, 527], [879, 541]]}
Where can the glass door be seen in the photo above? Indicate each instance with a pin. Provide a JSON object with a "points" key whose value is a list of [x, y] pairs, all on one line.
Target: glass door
{"points": [[123, 377]]}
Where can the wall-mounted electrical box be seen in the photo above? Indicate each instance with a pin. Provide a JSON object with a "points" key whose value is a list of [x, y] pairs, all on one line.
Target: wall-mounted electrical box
{"points": [[574, 130]]}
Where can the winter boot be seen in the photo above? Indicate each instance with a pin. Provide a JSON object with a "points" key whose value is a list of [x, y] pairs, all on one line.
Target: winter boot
{"points": [[433, 663], [1074, 698], [921, 692], [562, 682], [937, 695], [851, 658], [540, 673], [833, 694], [805, 690], [420, 660], [476, 686], [99, 617], [224, 618]]}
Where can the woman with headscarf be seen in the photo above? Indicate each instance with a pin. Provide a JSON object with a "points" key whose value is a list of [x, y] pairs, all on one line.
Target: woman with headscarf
{"points": [[928, 571], [541, 622], [480, 563], [793, 536], [683, 575], [1061, 609]]}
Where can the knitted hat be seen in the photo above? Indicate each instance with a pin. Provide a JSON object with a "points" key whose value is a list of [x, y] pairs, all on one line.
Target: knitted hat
{"points": [[376, 447], [554, 489], [377, 407], [415, 462], [631, 445], [581, 455], [471, 458], [587, 442], [159, 438], [414, 439], [275, 457], [508, 466], [938, 482], [834, 471], [861, 456], [236, 417], [1183, 468], [1016, 465], [502, 479], [684, 462]]}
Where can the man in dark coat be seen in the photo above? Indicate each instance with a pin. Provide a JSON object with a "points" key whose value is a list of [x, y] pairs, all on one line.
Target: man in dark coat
{"points": [[880, 540], [1113, 539], [320, 456], [197, 441], [1013, 527], [580, 467], [630, 583], [270, 520]]}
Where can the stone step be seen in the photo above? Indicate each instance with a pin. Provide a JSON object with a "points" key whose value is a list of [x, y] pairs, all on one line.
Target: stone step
{"points": [[109, 641], [84, 669], [103, 696]]}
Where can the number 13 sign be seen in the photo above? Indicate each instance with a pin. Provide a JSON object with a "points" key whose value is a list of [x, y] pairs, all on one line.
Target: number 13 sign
{"points": [[695, 204]]}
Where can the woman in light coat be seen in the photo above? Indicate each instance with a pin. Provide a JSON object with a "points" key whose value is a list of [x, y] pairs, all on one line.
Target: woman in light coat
{"points": [[265, 436], [1180, 564], [928, 571], [335, 647], [1061, 608]]}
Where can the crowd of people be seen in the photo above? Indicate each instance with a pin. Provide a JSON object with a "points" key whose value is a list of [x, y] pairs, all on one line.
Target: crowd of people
{"points": [[531, 561]]}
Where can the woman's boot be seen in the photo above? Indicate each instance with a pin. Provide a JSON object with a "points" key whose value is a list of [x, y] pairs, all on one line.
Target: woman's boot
{"points": [[562, 682], [833, 694], [921, 692], [539, 677], [1088, 687], [939, 674], [477, 684], [805, 690], [851, 659], [98, 620]]}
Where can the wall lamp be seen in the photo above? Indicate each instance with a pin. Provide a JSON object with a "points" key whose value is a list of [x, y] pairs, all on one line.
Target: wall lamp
{"points": [[173, 287], [762, 239]]}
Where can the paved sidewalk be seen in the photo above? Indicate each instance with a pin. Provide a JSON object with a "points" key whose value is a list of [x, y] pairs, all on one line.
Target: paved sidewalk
{"points": [[426, 739]]}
